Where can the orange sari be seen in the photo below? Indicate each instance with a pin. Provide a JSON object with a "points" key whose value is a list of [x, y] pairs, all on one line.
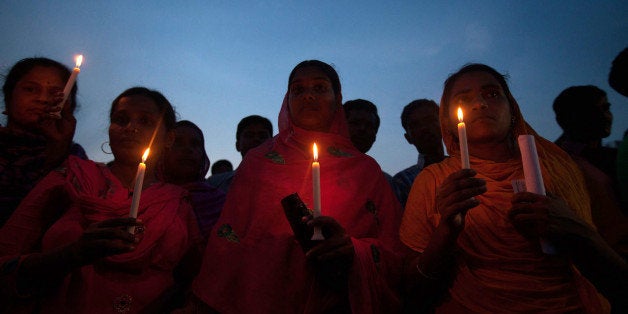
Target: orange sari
{"points": [[498, 269]]}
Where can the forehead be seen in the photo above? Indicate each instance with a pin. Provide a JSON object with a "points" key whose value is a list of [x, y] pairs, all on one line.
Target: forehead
{"points": [[255, 127], [187, 132], [139, 103], [359, 114], [424, 113], [474, 81], [309, 73], [43, 75]]}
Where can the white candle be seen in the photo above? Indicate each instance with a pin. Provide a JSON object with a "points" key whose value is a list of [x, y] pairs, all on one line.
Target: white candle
{"points": [[137, 189], [531, 166], [70, 84], [462, 138], [316, 192]]}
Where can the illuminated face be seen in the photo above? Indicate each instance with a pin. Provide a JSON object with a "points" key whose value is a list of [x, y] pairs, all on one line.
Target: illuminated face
{"points": [[311, 99], [485, 107], [33, 97], [133, 123], [252, 136]]}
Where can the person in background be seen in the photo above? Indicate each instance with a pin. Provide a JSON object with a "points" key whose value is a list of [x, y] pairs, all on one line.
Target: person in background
{"points": [[253, 261], [363, 122], [583, 113], [69, 246], [419, 119], [220, 166], [34, 141], [186, 164], [251, 132], [478, 244], [618, 80]]}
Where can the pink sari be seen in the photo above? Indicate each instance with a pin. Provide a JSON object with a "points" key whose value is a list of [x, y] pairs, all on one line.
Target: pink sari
{"points": [[253, 263], [124, 283]]}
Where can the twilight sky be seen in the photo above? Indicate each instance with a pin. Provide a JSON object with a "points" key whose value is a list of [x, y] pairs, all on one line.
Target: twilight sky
{"points": [[219, 61]]}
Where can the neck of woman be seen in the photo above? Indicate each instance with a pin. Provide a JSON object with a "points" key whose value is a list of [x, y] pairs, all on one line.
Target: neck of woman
{"points": [[494, 151], [125, 172]]}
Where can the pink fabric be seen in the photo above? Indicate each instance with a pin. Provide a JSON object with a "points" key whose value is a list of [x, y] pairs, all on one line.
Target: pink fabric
{"points": [[253, 264], [95, 194]]}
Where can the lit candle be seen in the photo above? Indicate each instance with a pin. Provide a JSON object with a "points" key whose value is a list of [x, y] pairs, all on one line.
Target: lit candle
{"points": [[70, 84], [462, 138], [137, 189], [316, 192]]}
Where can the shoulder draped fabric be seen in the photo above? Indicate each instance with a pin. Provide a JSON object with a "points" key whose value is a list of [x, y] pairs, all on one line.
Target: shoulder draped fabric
{"points": [[22, 159], [497, 267], [253, 263], [131, 280]]}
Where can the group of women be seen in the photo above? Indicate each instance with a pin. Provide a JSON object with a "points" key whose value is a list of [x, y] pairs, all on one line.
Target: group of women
{"points": [[466, 242]]}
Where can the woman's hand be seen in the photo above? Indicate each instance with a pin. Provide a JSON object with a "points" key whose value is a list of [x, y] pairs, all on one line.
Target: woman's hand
{"points": [[333, 256], [106, 238], [455, 197], [58, 131], [535, 216]]}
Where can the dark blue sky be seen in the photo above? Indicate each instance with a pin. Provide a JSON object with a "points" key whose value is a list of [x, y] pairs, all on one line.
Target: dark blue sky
{"points": [[218, 61]]}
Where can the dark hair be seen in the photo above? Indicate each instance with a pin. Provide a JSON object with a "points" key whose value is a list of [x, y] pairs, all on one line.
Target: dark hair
{"points": [[414, 105], [24, 66], [573, 100], [221, 163], [326, 68], [618, 76], [254, 119], [169, 117], [192, 125], [364, 105]]}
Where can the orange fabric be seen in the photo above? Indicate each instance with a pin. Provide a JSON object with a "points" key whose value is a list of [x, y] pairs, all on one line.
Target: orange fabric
{"points": [[498, 269], [253, 263], [95, 194]]}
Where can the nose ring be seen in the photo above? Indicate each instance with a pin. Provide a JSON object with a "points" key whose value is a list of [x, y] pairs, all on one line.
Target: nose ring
{"points": [[135, 130]]}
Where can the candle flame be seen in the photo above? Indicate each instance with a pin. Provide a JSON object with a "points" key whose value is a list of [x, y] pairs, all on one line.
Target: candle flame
{"points": [[315, 150], [460, 114], [145, 155], [79, 60]]}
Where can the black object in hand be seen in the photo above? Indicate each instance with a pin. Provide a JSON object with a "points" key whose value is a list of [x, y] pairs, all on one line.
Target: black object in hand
{"points": [[295, 209]]}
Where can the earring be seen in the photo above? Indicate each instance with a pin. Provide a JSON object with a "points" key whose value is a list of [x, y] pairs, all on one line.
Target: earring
{"points": [[102, 147]]}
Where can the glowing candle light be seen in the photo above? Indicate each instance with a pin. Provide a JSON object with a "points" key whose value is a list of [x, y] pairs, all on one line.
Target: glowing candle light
{"points": [[316, 191], [462, 138], [70, 84], [137, 189]]}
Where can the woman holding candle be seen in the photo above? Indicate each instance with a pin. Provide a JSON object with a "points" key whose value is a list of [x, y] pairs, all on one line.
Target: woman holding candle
{"points": [[105, 268], [254, 264], [491, 259], [33, 141]]}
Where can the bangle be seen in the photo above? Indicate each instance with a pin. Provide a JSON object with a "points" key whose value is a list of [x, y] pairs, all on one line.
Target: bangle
{"points": [[424, 274]]}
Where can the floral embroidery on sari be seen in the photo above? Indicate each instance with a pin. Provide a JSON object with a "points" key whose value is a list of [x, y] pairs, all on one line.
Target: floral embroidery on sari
{"points": [[225, 231], [335, 151], [275, 157]]}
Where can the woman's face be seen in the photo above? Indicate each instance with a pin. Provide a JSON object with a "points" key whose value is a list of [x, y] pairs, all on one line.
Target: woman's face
{"points": [[311, 99], [34, 97], [184, 160], [133, 123], [484, 105]]}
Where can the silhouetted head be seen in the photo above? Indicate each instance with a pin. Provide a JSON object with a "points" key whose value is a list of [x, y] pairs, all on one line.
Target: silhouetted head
{"points": [[251, 132], [583, 112], [363, 122]]}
